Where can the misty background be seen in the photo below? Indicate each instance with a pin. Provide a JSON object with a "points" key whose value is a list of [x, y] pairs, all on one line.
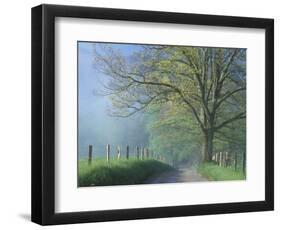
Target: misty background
{"points": [[95, 125]]}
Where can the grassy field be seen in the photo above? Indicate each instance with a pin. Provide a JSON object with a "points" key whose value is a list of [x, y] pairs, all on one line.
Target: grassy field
{"points": [[216, 173], [118, 172]]}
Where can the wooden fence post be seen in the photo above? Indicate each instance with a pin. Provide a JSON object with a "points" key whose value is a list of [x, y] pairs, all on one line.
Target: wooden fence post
{"points": [[226, 159], [138, 152], [90, 156], [220, 159], [108, 152], [244, 162], [118, 152], [127, 152], [235, 161], [217, 158]]}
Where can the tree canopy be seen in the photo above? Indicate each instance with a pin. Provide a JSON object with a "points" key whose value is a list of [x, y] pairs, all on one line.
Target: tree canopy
{"points": [[194, 98]]}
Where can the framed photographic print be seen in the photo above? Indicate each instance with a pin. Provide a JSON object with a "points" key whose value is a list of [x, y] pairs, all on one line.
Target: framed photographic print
{"points": [[142, 114]]}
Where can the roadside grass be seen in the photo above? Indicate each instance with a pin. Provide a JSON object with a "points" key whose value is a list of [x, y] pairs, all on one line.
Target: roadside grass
{"points": [[118, 172], [215, 173]]}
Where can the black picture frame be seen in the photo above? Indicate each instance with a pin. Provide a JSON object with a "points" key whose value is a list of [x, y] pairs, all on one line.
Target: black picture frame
{"points": [[43, 114]]}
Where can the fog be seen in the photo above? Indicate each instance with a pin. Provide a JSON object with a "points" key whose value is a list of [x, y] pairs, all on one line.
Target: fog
{"points": [[95, 126]]}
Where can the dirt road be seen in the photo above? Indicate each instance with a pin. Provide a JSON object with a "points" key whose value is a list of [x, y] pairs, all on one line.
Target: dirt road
{"points": [[182, 174]]}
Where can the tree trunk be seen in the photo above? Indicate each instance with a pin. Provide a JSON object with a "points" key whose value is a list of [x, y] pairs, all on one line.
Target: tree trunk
{"points": [[207, 146]]}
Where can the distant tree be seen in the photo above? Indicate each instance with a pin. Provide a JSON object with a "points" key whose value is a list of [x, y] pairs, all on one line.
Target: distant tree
{"points": [[173, 134]]}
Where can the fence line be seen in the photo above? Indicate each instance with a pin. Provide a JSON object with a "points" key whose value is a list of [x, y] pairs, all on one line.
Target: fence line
{"points": [[141, 153], [222, 159], [225, 159]]}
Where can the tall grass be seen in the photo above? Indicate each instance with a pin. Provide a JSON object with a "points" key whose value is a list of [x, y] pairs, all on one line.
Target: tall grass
{"points": [[118, 172], [216, 173]]}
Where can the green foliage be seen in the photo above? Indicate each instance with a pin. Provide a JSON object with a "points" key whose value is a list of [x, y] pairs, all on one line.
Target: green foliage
{"points": [[187, 93], [173, 134], [215, 173], [118, 172]]}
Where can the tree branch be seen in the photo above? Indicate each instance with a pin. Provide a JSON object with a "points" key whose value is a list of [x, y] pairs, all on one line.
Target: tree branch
{"points": [[236, 117], [227, 95]]}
